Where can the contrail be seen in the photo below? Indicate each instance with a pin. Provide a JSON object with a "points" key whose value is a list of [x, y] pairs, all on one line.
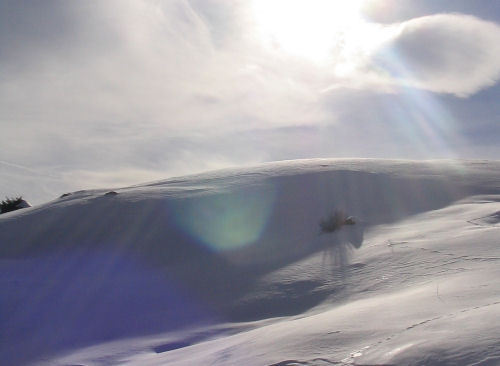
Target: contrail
{"points": [[28, 169]]}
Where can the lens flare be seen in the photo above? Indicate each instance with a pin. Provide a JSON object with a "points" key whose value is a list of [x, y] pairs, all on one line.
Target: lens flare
{"points": [[227, 221]]}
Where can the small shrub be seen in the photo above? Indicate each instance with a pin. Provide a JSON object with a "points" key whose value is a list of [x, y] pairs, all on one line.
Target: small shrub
{"points": [[335, 221], [11, 204]]}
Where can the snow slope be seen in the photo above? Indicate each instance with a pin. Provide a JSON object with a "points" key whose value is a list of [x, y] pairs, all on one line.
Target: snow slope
{"points": [[230, 268]]}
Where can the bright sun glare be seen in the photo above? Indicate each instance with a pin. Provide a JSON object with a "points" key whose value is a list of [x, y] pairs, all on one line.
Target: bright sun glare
{"points": [[308, 28]]}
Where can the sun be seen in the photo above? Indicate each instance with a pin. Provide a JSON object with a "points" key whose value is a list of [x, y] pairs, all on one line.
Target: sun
{"points": [[307, 28]]}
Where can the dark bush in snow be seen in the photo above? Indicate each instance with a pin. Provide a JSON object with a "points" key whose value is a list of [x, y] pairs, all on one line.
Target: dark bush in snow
{"points": [[12, 204], [335, 221]]}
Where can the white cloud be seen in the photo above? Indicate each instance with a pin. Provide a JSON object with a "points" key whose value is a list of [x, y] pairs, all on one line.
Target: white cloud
{"points": [[153, 63], [89, 85], [444, 53]]}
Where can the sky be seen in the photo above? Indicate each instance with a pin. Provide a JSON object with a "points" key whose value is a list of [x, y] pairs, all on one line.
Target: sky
{"points": [[97, 94]]}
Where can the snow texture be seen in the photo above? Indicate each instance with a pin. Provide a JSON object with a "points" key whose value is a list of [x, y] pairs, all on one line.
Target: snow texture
{"points": [[232, 268]]}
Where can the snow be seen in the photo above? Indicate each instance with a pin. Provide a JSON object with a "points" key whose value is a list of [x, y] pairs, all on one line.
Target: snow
{"points": [[231, 268]]}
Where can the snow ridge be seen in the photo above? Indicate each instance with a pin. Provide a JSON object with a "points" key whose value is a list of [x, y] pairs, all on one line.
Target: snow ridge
{"points": [[231, 268]]}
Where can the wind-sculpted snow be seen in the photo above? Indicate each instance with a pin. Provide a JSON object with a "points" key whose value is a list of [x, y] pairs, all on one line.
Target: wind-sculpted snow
{"points": [[229, 251], [276, 206]]}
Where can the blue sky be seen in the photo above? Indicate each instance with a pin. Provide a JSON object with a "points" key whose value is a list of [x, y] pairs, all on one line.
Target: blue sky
{"points": [[102, 94]]}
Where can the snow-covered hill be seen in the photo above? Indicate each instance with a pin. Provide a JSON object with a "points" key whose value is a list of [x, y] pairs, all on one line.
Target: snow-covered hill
{"points": [[231, 268]]}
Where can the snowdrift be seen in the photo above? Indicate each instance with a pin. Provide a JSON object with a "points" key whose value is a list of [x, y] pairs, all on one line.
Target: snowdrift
{"points": [[189, 266]]}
